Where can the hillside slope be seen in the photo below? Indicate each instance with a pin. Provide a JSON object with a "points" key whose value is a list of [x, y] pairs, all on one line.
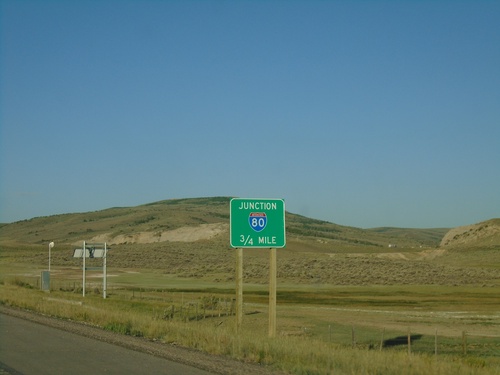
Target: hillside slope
{"points": [[480, 234], [428, 236], [189, 220]]}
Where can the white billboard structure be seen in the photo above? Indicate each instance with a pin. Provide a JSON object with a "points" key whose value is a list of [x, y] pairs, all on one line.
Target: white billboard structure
{"points": [[93, 250]]}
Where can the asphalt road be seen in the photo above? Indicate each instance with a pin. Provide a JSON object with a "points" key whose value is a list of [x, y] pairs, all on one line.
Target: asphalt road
{"points": [[28, 348]]}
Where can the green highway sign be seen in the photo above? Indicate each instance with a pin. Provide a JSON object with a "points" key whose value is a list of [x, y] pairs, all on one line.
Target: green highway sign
{"points": [[257, 223]]}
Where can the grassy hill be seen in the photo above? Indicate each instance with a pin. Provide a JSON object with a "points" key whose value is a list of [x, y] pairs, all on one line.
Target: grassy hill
{"points": [[190, 238], [486, 233], [169, 215]]}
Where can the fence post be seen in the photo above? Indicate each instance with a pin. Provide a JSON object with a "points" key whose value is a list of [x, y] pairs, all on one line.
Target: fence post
{"points": [[409, 341], [436, 343], [382, 339], [464, 342], [353, 337]]}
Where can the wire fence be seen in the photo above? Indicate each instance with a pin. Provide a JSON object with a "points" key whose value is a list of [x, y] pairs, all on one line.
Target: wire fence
{"points": [[355, 336], [468, 343]]}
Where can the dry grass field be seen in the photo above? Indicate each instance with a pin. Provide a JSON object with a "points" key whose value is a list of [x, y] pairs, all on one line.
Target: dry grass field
{"points": [[347, 302]]}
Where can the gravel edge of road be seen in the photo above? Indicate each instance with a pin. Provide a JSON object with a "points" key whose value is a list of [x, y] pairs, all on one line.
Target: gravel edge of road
{"points": [[211, 363]]}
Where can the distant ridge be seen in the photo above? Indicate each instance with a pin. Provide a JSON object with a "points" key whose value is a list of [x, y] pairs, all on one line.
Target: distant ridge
{"points": [[427, 236], [197, 219]]}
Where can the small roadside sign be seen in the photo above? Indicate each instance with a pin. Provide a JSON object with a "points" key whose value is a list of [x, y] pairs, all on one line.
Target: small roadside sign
{"points": [[257, 223]]}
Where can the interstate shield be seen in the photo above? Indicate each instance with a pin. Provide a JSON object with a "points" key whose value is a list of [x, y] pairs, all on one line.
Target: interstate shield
{"points": [[257, 221]]}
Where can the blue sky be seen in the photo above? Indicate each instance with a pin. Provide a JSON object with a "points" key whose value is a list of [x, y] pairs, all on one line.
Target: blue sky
{"points": [[362, 113]]}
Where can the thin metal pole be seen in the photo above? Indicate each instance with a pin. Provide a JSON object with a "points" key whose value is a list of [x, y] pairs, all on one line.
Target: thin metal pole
{"points": [[84, 256], [105, 272]]}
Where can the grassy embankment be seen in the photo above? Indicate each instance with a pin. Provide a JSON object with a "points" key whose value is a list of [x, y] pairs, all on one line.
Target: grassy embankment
{"points": [[315, 325]]}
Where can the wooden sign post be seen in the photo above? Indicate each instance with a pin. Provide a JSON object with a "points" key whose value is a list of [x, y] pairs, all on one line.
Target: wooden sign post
{"points": [[257, 223], [239, 288], [272, 293]]}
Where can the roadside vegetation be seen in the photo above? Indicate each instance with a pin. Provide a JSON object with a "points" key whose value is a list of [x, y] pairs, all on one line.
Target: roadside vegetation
{"points": [[349, 330], [347, 303]]}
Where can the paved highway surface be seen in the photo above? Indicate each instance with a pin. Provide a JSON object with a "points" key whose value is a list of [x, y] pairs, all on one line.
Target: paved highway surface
{"points": [[28, 348]]}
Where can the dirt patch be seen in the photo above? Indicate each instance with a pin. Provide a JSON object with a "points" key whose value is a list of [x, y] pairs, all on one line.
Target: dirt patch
{"points": [[392, 256], [432, 254], [183, 234], [422, 255]]}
